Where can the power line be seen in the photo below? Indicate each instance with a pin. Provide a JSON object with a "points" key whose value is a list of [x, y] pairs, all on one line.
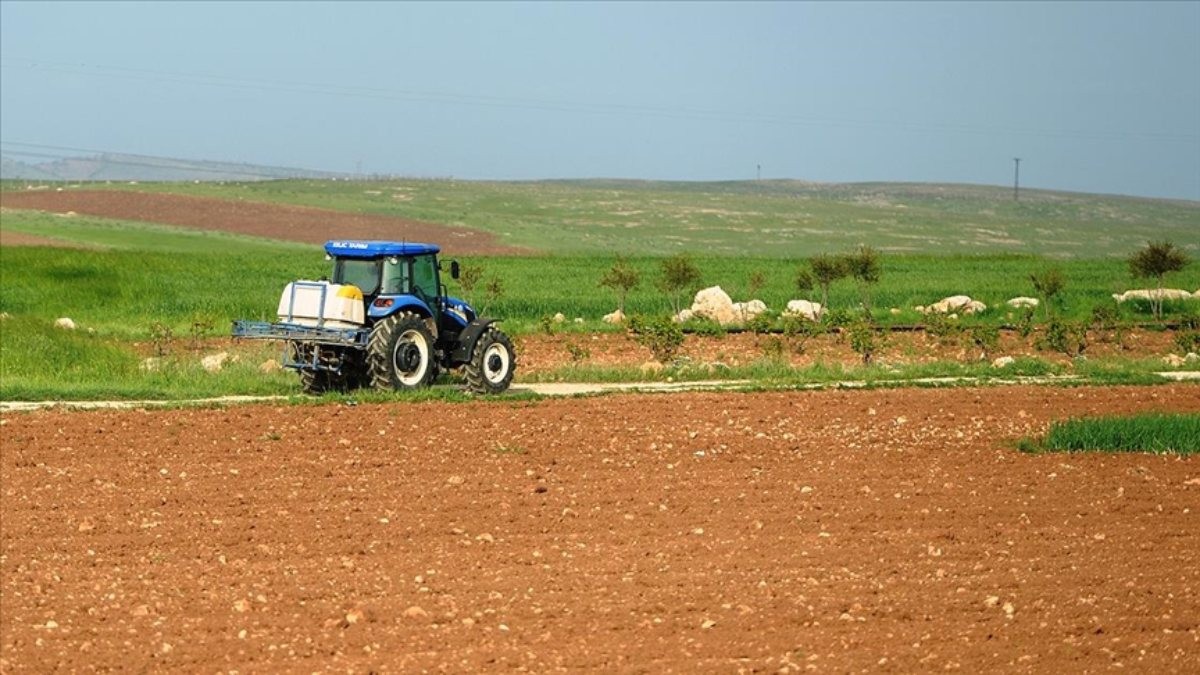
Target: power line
{"points": [[164, 163]]}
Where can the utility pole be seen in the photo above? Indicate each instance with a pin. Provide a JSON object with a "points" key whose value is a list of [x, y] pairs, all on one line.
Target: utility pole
{"points": [[1016, 179]]}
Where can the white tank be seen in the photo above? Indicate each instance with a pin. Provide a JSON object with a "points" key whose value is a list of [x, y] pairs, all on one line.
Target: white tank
{"points": [[321, 303]]}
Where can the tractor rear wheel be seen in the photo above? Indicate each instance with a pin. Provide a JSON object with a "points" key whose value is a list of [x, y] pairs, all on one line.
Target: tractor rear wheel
{"points": [[400, 354], [493, 362]]}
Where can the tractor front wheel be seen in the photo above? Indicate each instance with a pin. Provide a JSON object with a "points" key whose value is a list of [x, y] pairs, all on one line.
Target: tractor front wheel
{"points": [[493, 362], [400, 353]]}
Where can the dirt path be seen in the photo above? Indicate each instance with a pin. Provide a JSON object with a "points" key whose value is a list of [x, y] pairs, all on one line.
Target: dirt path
{"points": [[892, 531], [260, 219]]}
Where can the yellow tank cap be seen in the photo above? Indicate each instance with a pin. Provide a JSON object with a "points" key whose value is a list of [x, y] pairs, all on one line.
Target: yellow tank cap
{"points": [[350, 291]]}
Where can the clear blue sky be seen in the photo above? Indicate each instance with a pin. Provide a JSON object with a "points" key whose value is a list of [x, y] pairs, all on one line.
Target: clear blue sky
{"points": [[1095, 97]]}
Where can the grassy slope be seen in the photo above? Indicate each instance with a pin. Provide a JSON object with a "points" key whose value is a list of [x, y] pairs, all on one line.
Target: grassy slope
{"points": [[124, 235], [771, 218], [141, 274]]}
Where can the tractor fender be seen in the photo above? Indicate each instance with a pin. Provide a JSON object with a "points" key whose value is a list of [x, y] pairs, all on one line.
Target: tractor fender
{"points": [[467, 339], [405, 303]]}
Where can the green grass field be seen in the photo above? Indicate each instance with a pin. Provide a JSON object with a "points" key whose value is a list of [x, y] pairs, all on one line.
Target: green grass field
{"points": [[123, 235], [132, 279], [122, 292], [756, 218]]}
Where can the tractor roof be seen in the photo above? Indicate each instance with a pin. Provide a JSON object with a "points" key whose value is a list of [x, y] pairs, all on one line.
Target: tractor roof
{"points": [[376, 249]]}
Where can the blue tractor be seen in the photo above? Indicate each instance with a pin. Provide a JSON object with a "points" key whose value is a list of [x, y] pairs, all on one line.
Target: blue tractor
{"points": [[383, 320]]}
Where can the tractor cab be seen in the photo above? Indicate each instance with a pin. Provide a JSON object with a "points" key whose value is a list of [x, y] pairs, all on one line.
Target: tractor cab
{"points": [[397, 275]]}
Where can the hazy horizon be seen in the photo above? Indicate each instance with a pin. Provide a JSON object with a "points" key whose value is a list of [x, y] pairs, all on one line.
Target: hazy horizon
{"points": [[1093, 97]]}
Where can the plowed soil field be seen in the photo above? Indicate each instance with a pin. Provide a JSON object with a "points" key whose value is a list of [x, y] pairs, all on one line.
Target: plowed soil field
{"points": [[259, 219], [893, 531]]}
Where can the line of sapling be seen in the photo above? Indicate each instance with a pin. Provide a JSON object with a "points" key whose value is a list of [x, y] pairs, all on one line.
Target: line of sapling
{"points": [[679, 275]]}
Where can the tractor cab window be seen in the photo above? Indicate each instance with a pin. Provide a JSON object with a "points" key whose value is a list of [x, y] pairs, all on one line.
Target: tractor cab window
{"points": [[361, 273], [425, 277], [396, 276]]}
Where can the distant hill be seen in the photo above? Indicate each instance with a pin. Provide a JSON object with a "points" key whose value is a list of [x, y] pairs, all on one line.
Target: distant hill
{"points": [[124, 167]]}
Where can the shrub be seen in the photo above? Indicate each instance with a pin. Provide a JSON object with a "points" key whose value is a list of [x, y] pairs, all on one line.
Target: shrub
{"points": [[865, 339], [492, 291], [804, 282], [760, 324], [827, 269], [662, 336], [1048, 284], [705, 326], [469, 277], [199, 329], [1188, 341], [161, 336], [1025, 321], [1068, 337], [621, 278], [798, 331], [986, 338], [1106, 322], [1157, 260], [864, 266], [772, 347], [1189, 320], [942, 327], [838, 319], [577, 353], [679, 274]]}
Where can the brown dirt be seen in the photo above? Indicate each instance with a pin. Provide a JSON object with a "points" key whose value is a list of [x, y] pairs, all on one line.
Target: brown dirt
{"points": [[540, 353], [259, 219], [8, 238], [890, 531]]}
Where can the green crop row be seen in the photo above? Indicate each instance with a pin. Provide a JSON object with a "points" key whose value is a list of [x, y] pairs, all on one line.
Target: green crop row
{"points": [[1150, 432]]}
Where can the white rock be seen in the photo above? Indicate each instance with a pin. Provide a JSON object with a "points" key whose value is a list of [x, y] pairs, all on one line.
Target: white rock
{"points": [[1023, 301], [614, 318], [150, 365], [684, 316], [974, 307], [579, 319], [65, 323], [1153, 294], [1174, 360], [559, 318], [946, 305], [807, 309], [5, 316], [895, 311], [748, 310], [1191, 356], [715, 304], [214, 362], [1003, 362]]}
